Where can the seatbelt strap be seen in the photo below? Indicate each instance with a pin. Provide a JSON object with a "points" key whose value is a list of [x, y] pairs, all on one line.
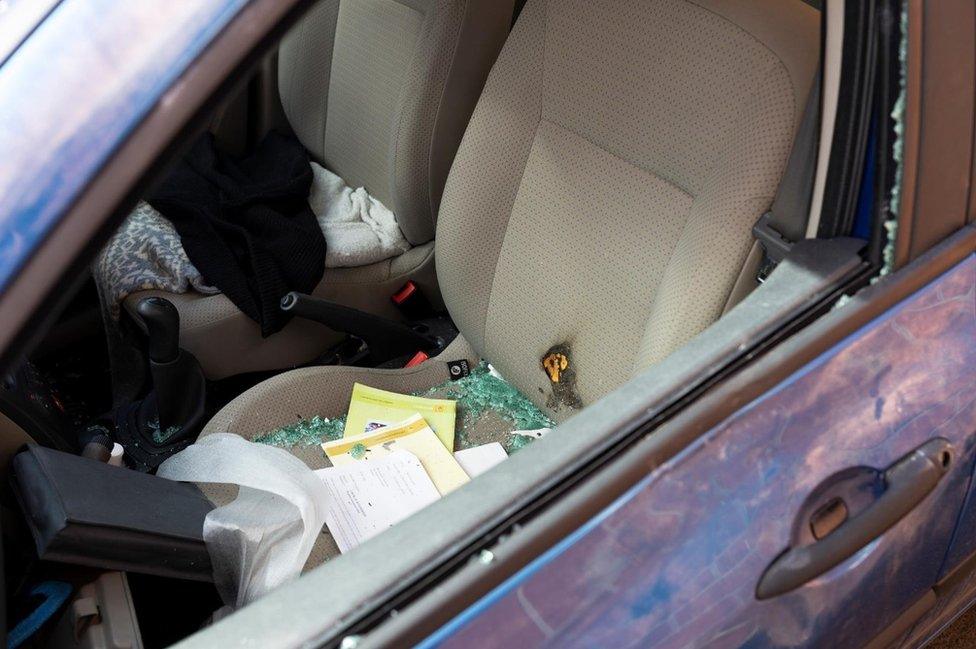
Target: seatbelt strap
{"points": [[786, 220]]}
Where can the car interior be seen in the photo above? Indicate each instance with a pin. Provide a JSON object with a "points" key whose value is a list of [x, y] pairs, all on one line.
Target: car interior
{"points": [[579, 189]]}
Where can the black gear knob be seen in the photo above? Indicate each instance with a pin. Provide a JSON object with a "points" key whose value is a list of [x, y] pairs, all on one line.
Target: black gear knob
{"points": [[179, 388], [163, 328]]}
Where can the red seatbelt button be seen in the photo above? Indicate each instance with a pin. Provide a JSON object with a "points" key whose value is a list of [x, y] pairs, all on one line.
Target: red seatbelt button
{"points": [[417, 359], [404, 293]]}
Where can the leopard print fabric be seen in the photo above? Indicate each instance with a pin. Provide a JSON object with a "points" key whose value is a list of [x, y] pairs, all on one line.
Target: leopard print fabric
{"points": [[145, 253]]}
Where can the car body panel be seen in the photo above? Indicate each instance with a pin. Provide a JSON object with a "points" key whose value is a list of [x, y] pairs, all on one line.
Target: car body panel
{"points": [[957, 588], [964, 540], [951, 601], [675, 561], [20, 18], [73, 91]]}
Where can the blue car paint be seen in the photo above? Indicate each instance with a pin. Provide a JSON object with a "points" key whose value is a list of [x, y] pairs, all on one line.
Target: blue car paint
{"points": [[20, 18], [73, 91], [484, 604], [675, 561], [958, 591], [964, 540], [954, 598]]}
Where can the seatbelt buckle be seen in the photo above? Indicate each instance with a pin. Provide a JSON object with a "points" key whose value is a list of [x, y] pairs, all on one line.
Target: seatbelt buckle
{"points": [[411, 302], [775, 247]]}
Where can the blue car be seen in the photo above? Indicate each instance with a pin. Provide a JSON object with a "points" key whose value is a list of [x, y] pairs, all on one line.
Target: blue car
{"points": [[488, 323]]}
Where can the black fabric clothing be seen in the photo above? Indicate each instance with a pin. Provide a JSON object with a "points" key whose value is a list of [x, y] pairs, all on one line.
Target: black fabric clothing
{"points": [[245, 223]]}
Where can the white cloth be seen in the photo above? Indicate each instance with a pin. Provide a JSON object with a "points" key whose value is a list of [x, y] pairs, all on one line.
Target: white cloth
{"points": [[358, 229], [263, 538]]}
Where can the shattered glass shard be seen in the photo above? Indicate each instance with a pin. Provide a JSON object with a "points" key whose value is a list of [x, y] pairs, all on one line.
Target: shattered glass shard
{"points": [[162, 436], [305, 432], [488, 410]]}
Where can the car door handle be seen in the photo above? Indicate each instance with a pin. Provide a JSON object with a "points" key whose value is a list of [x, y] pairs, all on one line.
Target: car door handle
{"points": [[908, 481]]}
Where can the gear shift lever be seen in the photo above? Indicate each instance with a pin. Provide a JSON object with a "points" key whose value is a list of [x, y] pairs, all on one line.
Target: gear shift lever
{"points": [[178, 382], [169, 417], [163, 324]]}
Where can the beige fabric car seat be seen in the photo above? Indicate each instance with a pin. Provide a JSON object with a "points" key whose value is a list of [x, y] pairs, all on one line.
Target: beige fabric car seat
{"points": [[379, 91], [602, 199]]}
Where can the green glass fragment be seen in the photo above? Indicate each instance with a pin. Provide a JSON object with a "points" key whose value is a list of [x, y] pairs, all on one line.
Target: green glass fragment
{"points": [[488, 409], [516, 443], [358, 451], [897, 152], [162, 436], [305, 432]]}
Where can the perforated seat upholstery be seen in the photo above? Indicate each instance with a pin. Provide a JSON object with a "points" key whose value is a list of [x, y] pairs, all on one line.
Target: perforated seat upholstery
{"points": [[609, 179], [378, 91], [603, 196]]}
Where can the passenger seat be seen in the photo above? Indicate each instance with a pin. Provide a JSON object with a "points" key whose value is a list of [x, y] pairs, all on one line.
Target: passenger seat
{"points": [[379, 92], [600, 208]]}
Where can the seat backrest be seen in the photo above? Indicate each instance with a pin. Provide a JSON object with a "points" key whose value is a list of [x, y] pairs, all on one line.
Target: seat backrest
{"points": [[603, 197], [379, 91]]}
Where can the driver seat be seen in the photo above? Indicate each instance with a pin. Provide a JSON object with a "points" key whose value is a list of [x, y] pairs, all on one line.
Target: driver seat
{"points": [[601, 201], [378, 92]]}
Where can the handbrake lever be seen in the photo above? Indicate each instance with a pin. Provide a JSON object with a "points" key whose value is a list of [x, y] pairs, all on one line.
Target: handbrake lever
{"points": [[386, 339]]}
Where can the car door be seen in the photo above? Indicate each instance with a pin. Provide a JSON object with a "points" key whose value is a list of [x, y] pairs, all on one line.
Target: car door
{"points": [[815, 515], [821, 502]]}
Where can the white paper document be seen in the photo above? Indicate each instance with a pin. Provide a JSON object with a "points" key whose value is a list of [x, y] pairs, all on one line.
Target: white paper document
{"points": [[479, 459], [369, 497]]}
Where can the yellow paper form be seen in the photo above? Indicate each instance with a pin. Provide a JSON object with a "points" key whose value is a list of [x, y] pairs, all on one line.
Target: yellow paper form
{"points": [[371, 408], [412, 435]]}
